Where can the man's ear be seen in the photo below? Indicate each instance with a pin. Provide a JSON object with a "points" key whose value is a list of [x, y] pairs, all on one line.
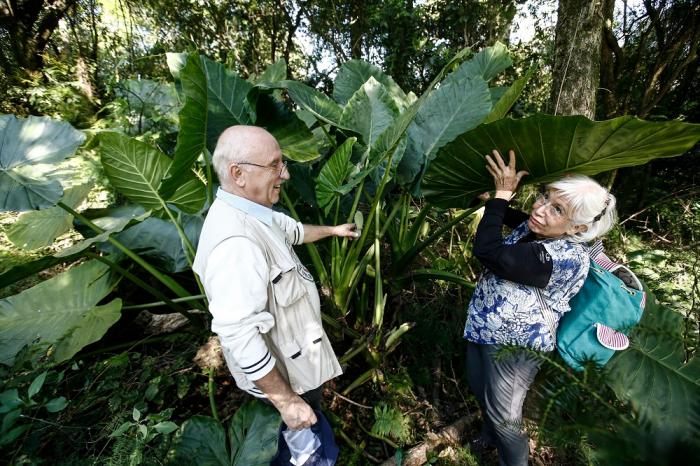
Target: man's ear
{"points": [[236, 175]]}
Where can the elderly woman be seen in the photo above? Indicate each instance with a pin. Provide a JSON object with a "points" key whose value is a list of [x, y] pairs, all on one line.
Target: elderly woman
{"points": [[545, 258]]}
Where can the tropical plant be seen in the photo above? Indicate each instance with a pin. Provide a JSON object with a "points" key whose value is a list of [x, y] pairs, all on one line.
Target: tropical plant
{"points": [[250, 440], [368, 155], [18, 409]]}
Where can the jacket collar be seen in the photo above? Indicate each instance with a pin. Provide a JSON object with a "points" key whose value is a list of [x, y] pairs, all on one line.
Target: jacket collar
{"points": [[262, 213]]}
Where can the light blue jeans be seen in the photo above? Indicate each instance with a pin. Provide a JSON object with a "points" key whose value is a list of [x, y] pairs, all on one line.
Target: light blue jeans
{"points": [[500, 383]]}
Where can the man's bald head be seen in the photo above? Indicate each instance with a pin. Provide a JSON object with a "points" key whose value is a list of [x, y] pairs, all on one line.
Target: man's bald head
{"points": [[238, 144]]}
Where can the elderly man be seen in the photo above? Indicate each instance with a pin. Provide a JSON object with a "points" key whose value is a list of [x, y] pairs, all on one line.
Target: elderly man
{"points": [[264, 302]]}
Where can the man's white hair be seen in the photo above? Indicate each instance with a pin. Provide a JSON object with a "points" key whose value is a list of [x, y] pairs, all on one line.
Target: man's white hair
{"points": [[235, 145], [590, 204]]}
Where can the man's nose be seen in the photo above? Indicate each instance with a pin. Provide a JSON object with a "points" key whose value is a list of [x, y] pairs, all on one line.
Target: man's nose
{"points": [[284, 174]]}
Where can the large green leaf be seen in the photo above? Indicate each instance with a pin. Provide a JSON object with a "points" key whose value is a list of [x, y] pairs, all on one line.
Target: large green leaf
{"points": [[252, 436], [331, 179], [296, 140], [61, 311], [311, 100], [190, 196], [215, 98], [227, 103], [192, 138], [448, 111], [157, 241], [549, 147], [134, 168], [201, 441], [112, 221], [353, 74], [655, 375], [28, 141], [390, 140], [487, 64], [39, 228], [274, 72], [508, 98], [369, 111]]}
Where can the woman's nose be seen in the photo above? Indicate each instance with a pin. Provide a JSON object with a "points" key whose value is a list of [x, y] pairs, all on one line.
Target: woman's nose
{"points": [[539, 209]]}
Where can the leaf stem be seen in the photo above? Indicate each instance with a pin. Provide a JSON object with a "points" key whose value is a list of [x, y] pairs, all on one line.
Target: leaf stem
{"points": [[164, 279]]}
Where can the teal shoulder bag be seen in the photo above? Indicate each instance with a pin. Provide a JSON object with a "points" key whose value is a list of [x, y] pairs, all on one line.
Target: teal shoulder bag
{"points": [[607, 307]]}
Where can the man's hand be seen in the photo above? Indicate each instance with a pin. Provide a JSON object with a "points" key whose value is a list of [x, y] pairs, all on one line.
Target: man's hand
{"points": [[297, 414], [347, 230]]}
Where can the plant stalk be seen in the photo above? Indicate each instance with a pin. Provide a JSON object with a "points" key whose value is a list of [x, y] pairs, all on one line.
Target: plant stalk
{"points": [[211, 388], [164, 279]]}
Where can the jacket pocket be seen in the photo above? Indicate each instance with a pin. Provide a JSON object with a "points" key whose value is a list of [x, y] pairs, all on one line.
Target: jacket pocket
{"points": [[287, 286], [307, 365]]}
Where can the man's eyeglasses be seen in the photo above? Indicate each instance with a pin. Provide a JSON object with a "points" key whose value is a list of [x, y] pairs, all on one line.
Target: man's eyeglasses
{"points": [[280, 166]]}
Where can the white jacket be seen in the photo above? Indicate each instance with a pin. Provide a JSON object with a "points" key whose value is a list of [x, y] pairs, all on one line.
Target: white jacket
{"points": [[270, 314]]}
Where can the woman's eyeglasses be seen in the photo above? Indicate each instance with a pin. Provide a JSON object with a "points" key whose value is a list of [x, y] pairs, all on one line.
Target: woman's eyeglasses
{"points": [[553, 209]]}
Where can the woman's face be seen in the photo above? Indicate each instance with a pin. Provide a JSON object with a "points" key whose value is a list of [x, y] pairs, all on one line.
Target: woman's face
{"points": [[551, 216]]}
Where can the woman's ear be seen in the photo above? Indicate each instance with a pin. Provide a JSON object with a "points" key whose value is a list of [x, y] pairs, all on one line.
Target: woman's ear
{"points": [[577, 229]]}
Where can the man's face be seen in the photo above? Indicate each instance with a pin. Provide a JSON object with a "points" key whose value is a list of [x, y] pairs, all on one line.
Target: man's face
{"points": [[264, 173]]}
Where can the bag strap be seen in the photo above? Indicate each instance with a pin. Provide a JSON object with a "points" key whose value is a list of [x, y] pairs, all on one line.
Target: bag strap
{"points": [[597, 254]]}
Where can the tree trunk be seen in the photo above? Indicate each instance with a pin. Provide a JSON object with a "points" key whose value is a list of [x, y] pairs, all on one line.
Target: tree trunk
{"points": [[576, 70], [611, 62], [357, 28]]}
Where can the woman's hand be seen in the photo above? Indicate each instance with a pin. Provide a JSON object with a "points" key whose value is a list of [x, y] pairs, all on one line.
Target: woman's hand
{"points": [[505, 177]]}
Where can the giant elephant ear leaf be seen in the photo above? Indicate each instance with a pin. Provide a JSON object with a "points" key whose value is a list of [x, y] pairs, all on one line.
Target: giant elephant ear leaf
{"points": [[549, 147], [61, 311], [330, 183], [448, 111], [215, 98], [252, 436], [369, 111], [134, 168], [655, 375], [486, 64], [39, 228], [353, 74], [25, 142], [296, 140], [310, 100]]}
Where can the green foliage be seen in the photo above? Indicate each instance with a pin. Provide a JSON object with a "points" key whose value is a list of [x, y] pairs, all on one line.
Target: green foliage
{"points": [[136, 170], [144, 429], [355, 73], [61, 311], [390, 422], [37, 229], [25, 143], [251, 438], [656, 374], [15, 409], [549, 147]]}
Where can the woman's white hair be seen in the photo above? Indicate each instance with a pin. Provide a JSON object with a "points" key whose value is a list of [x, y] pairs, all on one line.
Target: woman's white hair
{"points": [[591, 205]]}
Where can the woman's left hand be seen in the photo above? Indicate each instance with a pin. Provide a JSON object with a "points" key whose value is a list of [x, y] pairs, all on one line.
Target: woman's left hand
{"points": [[505, 177]]}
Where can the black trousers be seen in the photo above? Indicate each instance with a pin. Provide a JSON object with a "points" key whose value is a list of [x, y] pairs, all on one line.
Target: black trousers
{"points": [[312, 397]]}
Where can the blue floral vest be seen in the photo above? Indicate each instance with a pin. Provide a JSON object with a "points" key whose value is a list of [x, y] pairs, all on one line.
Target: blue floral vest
{"points": [[508, 313]]}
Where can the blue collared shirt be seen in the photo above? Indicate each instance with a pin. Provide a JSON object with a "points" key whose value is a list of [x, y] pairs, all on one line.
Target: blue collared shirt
{"points": [[262, 213]]}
